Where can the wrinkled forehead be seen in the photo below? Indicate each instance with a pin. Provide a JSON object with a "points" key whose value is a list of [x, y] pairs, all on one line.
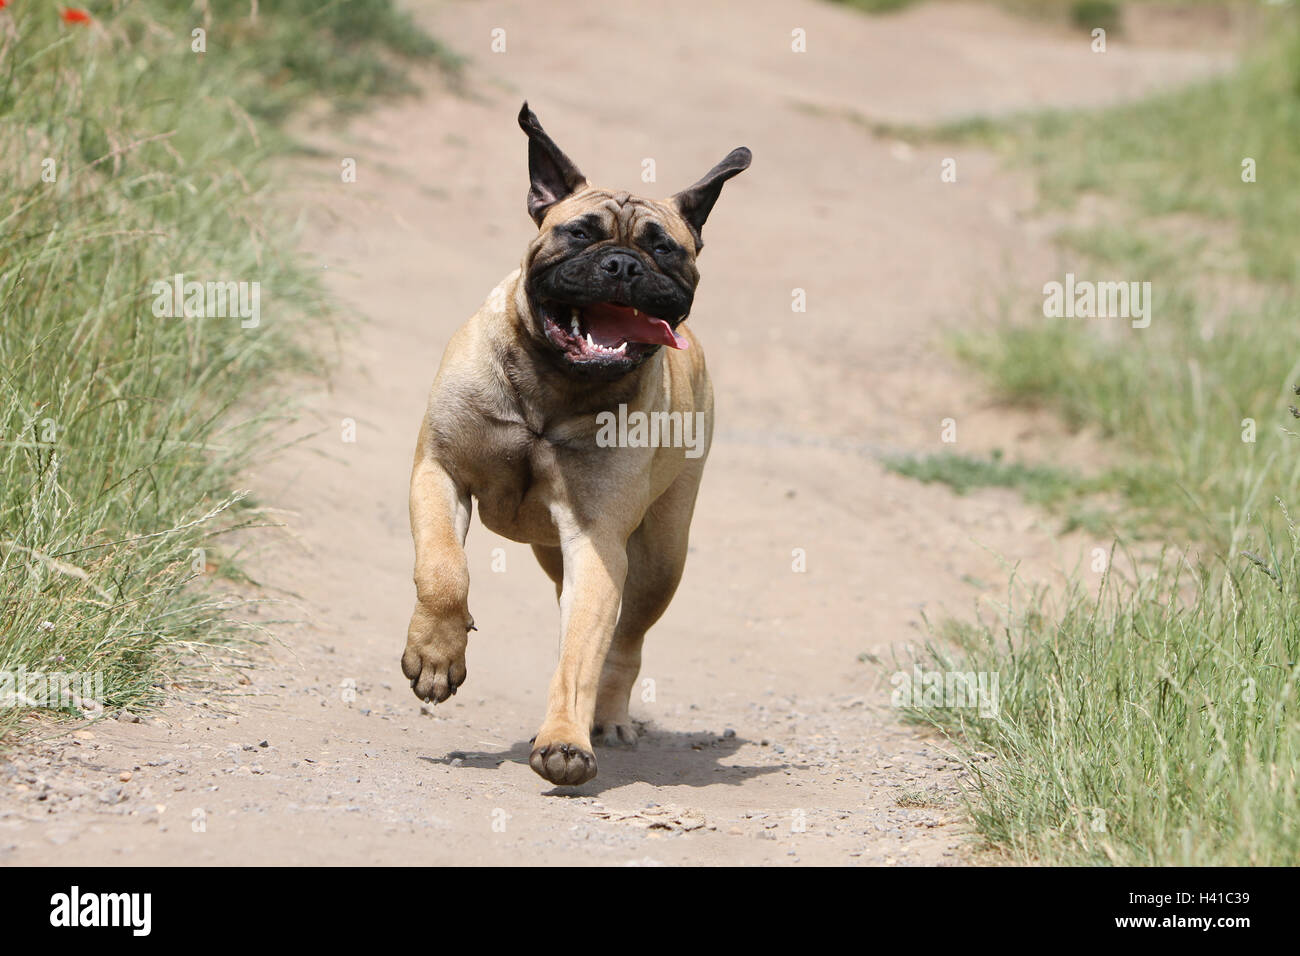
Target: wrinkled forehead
{"points": [[621, 216]]}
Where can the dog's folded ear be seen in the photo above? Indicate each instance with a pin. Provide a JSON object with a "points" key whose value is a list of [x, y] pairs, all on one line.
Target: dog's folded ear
{"points": [[696, 203], [552, 174]]}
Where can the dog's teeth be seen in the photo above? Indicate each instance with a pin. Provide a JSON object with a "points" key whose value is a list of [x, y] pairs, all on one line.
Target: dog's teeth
{"points": [[635, 313], [622, 348], [590, 343], [573, 326]]}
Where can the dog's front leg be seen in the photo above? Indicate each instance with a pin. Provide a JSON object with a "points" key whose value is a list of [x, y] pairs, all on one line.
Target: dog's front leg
{"points": [[434, 659], [595, 567]]}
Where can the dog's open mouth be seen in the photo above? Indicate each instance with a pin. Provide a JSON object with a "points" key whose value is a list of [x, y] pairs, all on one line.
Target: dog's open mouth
{"points": [[607, 333]]}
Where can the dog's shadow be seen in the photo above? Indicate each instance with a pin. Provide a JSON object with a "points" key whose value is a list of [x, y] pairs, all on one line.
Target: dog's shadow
{"points": [[662, 758]]}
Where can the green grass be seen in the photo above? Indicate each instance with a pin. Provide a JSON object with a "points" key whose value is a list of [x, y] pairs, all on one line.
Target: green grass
{"points": [[876, 6], [962, 473], [1090, 14], [1074, 496], [1135, 728], [121, 431], [1182, 153], [355, 49], [1148, 716], [1221, 254]]}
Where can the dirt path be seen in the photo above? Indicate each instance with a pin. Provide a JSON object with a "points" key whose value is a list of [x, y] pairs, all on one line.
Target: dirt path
{"points": [[769, 741]]}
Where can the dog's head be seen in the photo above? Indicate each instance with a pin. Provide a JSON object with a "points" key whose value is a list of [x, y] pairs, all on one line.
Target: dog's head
{"points": [[610, 275]]}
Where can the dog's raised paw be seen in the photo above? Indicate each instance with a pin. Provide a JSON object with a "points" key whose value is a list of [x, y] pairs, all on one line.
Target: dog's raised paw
{"points": [[434, 660], [434, 676], [567, 765]]}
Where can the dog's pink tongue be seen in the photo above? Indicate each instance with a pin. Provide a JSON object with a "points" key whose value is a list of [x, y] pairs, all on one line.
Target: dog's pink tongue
{"points": [[611, 325]]}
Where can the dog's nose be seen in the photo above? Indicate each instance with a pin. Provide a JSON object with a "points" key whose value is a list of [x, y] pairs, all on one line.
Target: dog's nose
{"points": [[621, 265]]}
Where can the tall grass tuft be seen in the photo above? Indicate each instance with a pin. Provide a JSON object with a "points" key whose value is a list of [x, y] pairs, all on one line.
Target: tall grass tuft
{"points": [[1150, 722], [128, 158]]}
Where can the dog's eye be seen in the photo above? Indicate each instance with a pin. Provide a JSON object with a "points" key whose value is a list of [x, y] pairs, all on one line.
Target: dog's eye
{"points": [[662, 249], [578, 233]]}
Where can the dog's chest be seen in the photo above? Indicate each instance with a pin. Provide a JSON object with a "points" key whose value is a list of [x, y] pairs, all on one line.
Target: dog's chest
{"points": [[513, 479]]}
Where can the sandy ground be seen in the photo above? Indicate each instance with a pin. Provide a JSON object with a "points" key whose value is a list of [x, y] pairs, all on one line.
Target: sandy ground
{"points": [[769, 739]]}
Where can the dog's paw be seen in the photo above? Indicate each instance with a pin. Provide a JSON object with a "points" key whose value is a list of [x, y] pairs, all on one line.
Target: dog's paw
{"points": [[615, 734], [562, 763], [434, 660], [434, 676]]}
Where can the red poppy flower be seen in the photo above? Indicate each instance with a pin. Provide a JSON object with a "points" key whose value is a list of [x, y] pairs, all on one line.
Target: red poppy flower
{"points": [[73, 15]]}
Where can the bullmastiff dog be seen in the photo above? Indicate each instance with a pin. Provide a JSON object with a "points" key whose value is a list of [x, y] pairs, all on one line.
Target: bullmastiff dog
{"points": [[588, 331]]}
